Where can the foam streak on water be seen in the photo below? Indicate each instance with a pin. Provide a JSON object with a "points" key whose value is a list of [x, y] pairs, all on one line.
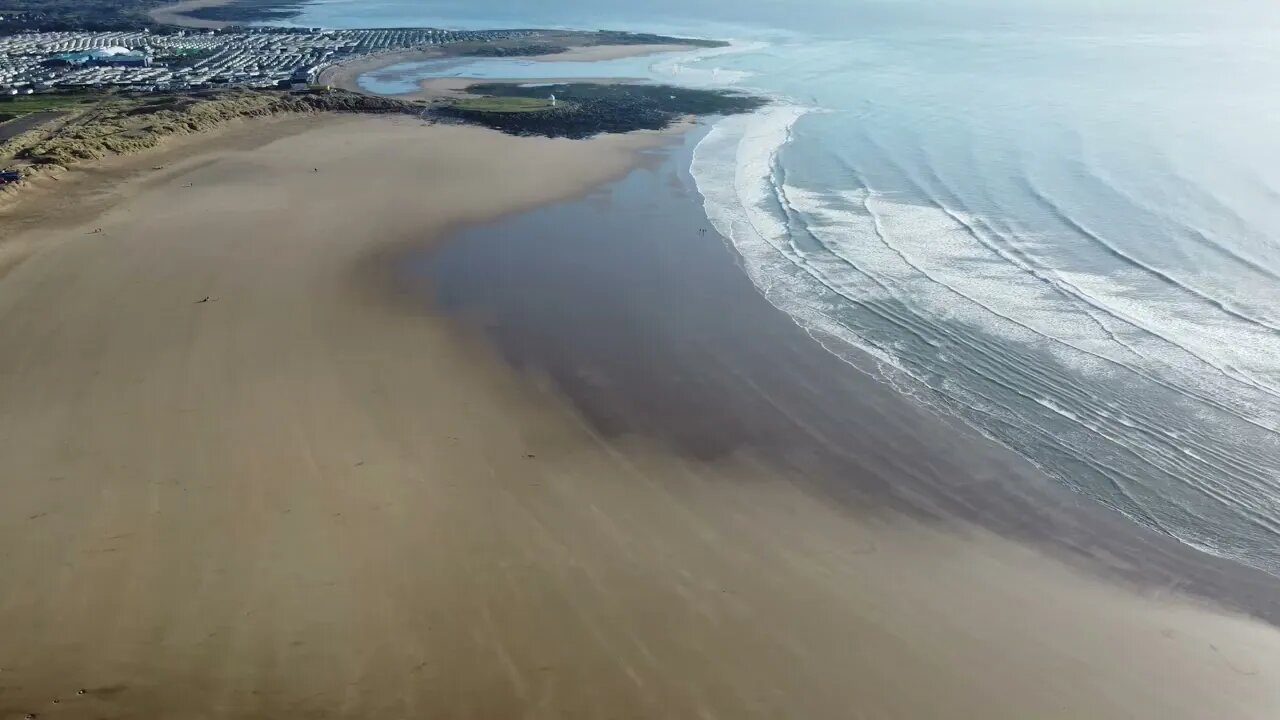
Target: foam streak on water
{"points": [[1149, 391]]}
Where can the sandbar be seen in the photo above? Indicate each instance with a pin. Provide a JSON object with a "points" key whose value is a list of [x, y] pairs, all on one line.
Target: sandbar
{"points": [[346, 75], [176, 14]]}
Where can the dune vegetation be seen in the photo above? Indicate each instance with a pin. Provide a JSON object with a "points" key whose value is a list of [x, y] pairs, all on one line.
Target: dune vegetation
{"points": [[107, 124]]}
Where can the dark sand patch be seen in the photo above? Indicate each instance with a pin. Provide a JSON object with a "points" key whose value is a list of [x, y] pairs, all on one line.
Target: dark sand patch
{"points": [[651, 329]]}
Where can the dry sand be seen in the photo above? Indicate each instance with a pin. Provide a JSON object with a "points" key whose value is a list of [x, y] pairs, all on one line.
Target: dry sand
{"points": [[176, 14], [310, 497]]}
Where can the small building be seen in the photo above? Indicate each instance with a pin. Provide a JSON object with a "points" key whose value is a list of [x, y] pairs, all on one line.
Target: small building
{"points": [[303, 78], [67, 59], [119, 56]]}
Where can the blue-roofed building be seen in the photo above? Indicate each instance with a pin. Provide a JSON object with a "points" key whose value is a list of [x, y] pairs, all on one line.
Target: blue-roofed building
{"points": [[107, 56], [119, 56]]}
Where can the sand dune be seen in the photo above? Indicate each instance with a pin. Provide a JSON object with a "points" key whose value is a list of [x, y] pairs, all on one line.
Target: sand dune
{"points": [[308, 496]]}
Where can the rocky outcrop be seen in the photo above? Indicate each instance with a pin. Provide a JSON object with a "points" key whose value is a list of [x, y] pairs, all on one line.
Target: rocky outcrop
{"points": [[587, 109]]}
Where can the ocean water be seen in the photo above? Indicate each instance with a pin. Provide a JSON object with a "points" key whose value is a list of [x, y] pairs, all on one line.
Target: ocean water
{"points": [[1058, 220]]}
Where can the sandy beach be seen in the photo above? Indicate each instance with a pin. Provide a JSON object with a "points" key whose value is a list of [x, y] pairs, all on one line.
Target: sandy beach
{"points": [[176, 14], [346, 75], [597, 53], [268, 448]]}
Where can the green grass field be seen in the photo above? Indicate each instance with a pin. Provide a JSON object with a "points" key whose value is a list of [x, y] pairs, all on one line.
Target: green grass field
{"points": [[502, 104], [24, 104]]}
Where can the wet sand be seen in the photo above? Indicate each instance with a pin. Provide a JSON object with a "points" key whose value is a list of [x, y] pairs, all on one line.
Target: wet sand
{"points": [[596, 53], [259, 458], [347, 75], [674, 344], [176, 14]]}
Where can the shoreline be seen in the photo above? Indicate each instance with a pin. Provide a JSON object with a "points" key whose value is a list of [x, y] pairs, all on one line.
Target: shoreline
{"points": [[598, 53], [346, 75], [243, 441], [175, 14], [992, 486]]}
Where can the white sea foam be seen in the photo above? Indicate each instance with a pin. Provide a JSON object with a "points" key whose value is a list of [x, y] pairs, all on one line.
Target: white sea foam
{"points": [[733, 167], [687, 68], [951, 285], [944, 265]]}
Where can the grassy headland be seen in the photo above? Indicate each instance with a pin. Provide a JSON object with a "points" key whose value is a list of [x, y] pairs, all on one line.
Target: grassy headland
{"points": [[585, 109], [72, 128], [531, 49], [620, 37], [501, 104], [19, 105], [243, 12]]}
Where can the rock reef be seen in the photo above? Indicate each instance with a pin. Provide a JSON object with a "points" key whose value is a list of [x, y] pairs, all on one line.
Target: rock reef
{"points": [[582, 110]]}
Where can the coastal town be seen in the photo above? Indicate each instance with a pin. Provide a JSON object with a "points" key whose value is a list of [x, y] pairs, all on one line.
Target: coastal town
{"points": [[39, 62], [76, 95]]}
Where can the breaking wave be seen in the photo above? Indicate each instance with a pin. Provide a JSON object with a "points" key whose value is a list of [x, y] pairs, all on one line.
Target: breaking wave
{"points": [[1151, 388]]}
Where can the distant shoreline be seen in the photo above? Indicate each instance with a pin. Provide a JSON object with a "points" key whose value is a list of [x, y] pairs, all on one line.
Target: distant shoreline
{"points": [[342, 69], [213, 14], [346, 75], [177, 14], [588, 106]]}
